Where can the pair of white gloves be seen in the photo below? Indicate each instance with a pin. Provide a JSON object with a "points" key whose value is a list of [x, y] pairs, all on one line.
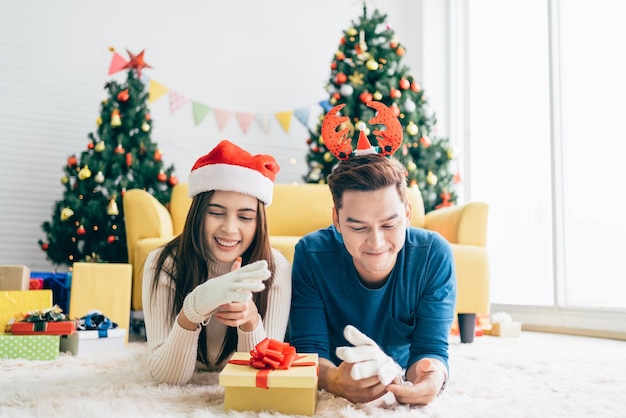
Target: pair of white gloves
{"points": [[236, 286], [368, 358]]}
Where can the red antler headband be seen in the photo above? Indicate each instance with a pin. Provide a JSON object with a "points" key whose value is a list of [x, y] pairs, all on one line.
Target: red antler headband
{"points": [[340, 145]]}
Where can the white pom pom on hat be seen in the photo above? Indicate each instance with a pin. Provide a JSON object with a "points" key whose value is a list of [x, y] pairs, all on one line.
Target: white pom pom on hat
{"points": [[230, 168]]}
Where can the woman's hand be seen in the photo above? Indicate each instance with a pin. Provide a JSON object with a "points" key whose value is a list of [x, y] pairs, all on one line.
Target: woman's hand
{"points": [[244, 315]]}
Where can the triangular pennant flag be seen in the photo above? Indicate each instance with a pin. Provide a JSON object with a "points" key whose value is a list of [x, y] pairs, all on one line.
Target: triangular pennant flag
{"points": [[284, 118], [245, 120], [264, 122], [156, 90], [325, 105], [222, 117], [303, 115], [177, 101], [117, 63], [199, 112]]}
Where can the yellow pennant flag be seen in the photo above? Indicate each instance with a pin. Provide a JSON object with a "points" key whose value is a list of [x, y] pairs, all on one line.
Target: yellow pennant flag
{"points": [[156, 90], [284, 118]]}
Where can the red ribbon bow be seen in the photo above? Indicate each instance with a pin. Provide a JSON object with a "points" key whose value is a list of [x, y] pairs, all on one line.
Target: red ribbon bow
{"points": [[271, 354]]}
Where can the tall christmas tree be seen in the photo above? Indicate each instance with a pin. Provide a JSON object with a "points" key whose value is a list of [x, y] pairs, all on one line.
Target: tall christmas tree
{"points": [[367, 66], [88, 222]]}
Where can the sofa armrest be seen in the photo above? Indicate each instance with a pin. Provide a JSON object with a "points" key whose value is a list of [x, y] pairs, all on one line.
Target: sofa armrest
{"points": [[144, 217], [463, 224]]}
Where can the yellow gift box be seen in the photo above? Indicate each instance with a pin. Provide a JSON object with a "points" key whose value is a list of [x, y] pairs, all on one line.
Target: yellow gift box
{"points": [[104, 287], [15, 302], [292, 391]]}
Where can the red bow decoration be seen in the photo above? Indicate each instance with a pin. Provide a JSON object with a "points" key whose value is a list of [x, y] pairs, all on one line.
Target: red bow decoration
{"points": [[271, 354]]}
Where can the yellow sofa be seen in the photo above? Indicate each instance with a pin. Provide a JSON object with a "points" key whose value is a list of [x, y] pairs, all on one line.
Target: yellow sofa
{"points": [[298, 209]]}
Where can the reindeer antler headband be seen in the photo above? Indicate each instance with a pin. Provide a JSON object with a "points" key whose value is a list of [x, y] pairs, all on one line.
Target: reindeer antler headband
{"points": [[340, 144]]}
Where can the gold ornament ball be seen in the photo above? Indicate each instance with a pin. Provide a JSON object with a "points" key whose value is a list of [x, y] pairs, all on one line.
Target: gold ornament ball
{"points": [[65, 180], [99, 121], [371, 65], [450, 153], [352, 32], [145, 127], [99, 177], [328, 157], [377, 95], [412, 129], [99, 146], [411, 166], [85, 173], [431, 178]]}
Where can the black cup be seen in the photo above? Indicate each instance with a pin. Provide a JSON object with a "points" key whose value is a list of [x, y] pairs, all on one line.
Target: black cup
{"points": [[467, 326]]}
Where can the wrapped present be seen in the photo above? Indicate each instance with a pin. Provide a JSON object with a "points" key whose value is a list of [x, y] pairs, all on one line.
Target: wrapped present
{"points": [[16, 302], [15, 277], [96, 334], [102, 286], [59, 283], [502, 325], [51, 321], [29, 347], [273, 377]]}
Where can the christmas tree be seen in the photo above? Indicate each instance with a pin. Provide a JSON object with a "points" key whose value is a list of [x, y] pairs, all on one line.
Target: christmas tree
{"points": [[88, 222], [367, 66]]}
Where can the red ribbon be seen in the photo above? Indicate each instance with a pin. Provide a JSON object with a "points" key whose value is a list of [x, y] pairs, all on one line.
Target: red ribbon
{"points": [[271, 354]]}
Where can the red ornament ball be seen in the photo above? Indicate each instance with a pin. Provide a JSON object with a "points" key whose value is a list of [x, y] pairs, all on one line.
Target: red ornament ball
{"points": [[111, 239], [158, 155], [90, 145], [45, 246], [173, 181], [162, 177], [341, 78], [72, 161], [119, 149], [81, 230], [365, 97], [122, 96], [404, 83]]}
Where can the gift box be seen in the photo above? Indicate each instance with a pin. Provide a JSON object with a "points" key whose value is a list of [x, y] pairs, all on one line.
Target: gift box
{"points": [[59, 283], [291, 391], [505, 329], [14, 277], [29, 347], [43, 328], [87, 343], [104, 287], [16, 302]]}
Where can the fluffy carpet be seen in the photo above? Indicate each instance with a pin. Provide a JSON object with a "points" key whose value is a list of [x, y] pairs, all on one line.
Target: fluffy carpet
{"points": [[535, 375]]}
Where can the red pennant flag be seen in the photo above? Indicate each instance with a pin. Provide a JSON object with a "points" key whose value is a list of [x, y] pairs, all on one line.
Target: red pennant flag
{"points": [[117, 63]]}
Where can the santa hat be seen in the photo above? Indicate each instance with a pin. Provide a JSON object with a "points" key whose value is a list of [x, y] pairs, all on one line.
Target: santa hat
{"points": [[230, 168]]}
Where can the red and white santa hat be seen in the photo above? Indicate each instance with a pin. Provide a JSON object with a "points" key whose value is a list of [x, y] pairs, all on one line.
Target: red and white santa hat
{"points": [[230, 168]]}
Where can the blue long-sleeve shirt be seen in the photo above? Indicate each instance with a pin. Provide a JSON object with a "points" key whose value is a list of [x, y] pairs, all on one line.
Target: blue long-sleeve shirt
{"points": [[409, 316]]}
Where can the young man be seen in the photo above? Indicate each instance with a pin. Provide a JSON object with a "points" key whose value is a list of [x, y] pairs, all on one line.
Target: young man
{"points": [[373, 291]]}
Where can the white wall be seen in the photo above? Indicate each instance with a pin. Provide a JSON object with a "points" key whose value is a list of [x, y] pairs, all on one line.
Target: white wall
{"points": [[244, 55]]}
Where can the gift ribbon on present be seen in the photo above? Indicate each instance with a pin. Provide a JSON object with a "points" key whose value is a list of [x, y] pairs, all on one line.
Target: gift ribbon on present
{"points": [[269, 355], [95, 320]]}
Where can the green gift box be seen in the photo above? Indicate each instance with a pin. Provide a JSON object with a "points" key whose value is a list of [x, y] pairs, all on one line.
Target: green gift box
{"points": [[29, 347]]}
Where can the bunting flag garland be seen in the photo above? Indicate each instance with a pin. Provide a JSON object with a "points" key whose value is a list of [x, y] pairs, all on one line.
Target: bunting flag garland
{"points": [[177, 101], [200, 111], [302, 114], [245, 120], [222, 117], [117, 63], [284, 118], [156, 90], [263, 120]]}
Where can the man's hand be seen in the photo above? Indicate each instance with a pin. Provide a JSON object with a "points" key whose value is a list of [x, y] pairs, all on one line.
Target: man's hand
{"points": [[339, 382], [428, 376], [367, 357]]}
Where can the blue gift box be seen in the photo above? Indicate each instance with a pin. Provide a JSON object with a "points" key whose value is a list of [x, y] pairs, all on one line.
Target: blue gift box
{"points": [[59, 283]]}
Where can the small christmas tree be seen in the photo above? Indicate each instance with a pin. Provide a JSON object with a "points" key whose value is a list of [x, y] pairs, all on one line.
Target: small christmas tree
{"points": [[88, 223], [366, 67]]}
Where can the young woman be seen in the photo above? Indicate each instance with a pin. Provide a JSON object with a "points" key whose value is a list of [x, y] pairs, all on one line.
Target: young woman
{"points": [[200, 305]]}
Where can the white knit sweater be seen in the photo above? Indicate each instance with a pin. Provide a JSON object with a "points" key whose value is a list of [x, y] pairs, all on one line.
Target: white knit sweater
{"points": [[172, 349]]}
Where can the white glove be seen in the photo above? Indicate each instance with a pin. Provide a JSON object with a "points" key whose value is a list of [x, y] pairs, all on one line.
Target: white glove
{"points": [[369, 359], [236, 286]]}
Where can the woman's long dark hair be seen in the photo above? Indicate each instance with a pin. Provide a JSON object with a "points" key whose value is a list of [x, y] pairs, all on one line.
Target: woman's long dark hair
{"points": [[190, 255]]}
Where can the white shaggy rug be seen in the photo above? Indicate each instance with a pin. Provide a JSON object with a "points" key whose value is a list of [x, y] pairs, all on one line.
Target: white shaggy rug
{"points": [[535, 375]]}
